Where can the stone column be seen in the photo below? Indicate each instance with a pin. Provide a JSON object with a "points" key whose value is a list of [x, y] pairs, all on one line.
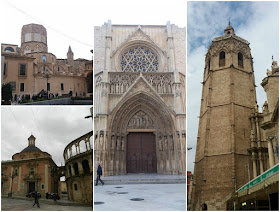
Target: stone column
{"points": [[270, 153], [261, 162], [254, 159], [80, 167]]}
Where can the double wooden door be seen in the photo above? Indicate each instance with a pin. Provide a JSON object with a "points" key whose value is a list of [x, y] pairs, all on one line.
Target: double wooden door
{"points": [[141, 153]]}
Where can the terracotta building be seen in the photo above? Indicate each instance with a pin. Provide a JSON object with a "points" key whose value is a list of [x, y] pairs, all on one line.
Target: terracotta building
{"points": [[139, 96], [30, 68], [29, 170], [233, 137]]}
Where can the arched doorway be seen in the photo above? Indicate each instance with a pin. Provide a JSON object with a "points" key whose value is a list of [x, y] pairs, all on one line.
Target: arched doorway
{"points": [[142, 138], [141, 153]]}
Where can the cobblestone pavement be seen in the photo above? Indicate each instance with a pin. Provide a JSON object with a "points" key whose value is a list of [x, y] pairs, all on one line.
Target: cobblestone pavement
{"points": [[157, 197], [8, 204]]}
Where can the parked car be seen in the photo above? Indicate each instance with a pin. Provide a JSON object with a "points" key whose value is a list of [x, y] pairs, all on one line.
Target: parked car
{"points": [[53, 196], [31, 194]]}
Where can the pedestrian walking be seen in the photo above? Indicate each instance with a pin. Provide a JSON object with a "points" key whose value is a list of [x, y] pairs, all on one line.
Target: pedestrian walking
{"points": [[99, 173], [36, 198]]}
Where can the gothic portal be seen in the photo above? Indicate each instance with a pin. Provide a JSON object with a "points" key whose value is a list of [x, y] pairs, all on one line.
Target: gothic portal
{"points": [[139, 96]]}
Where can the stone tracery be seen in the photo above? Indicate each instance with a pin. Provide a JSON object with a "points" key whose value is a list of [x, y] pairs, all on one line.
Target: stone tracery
{"points": [[139, 59]]}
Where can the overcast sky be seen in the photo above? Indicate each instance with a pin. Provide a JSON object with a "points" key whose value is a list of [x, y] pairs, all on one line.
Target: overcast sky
{"points": [[68, 22], [257, 22], [54, 128], [144, 12]]}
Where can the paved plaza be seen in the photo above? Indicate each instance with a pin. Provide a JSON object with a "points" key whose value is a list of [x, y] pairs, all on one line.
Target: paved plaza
{"points": [[14, 204], [156, 197]]}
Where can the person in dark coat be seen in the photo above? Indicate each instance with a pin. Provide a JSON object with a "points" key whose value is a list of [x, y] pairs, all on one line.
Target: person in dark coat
{"points": [[36, 197], [204, 207], [99, 173]]}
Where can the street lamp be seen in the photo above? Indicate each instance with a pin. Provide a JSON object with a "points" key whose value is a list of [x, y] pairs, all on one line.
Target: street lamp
{"points": [[47, 75], [13, 175]]}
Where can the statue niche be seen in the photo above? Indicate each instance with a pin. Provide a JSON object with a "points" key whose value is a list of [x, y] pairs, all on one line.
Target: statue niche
{"points": [[140, 121]]}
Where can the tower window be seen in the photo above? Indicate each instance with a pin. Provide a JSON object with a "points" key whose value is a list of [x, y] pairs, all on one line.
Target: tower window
{"points": [[240, 60], [58, 69], [222, 58], [62, 86], [44, 59], [76, 187]]}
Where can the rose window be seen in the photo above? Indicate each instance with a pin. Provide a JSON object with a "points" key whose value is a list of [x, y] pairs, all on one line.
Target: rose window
{"points": [[139, 59]]}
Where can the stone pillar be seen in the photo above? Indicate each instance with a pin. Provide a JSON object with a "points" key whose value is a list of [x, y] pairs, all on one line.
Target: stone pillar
{"points": [[254, 159], [261, 162], [270, 153], [80, 167], [72, 170]]}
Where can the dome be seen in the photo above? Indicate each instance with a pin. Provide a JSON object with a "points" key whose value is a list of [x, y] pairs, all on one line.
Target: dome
{"points": [[31, 149]]}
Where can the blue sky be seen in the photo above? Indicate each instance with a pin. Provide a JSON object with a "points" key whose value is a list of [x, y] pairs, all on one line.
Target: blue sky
{"points": [[257, 22]]}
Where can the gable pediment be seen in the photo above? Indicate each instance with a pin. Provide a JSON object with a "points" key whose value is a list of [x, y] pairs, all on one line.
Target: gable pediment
{"points": [[139, 36]]}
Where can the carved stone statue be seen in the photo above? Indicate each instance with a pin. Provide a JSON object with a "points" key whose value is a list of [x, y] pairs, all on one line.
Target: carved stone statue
{"points": [[101, 141], [165, 143], [113, 142], [122, 142], [160, 144]]}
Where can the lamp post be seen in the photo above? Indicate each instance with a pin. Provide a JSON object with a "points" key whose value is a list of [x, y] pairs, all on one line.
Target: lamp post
{"points": [[47, 75], [12, 175]]}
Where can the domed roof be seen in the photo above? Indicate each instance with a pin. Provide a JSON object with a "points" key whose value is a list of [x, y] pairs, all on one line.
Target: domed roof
{"points": [[31, 148]]}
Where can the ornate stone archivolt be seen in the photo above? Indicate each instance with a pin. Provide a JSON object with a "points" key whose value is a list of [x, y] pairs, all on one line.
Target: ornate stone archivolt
{"points": [[153, 108], [139, 59]]}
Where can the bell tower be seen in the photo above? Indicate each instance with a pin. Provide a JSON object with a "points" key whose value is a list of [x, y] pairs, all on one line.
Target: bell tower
{"points": [[228, 99]]}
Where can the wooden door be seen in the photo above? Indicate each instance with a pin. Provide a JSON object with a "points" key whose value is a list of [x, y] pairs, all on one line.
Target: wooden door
{"points": [[141, 153]]}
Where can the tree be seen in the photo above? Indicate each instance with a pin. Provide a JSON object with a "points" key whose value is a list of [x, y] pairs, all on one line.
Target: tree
{"points": [[7, 92]]}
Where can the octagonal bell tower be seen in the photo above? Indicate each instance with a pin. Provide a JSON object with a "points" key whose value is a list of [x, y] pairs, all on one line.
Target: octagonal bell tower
{"points": [[228, 99], [33, 39]]}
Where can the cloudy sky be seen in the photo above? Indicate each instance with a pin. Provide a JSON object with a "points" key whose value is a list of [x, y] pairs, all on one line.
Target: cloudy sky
{"points": [[144, 12], [256, 22], [54, 127], [67, 22]]}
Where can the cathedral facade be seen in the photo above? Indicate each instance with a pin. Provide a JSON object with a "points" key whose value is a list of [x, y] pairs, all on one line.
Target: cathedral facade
{"points": [[30, 68], [233, 137], [139, 96]]}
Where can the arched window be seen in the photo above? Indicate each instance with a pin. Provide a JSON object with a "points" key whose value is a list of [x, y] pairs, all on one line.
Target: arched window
{"points": [[44, 59], [9, 49], [240, 60], [139, 59], [222, 58], [85, 166], [58, 69], [76, 169]]}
